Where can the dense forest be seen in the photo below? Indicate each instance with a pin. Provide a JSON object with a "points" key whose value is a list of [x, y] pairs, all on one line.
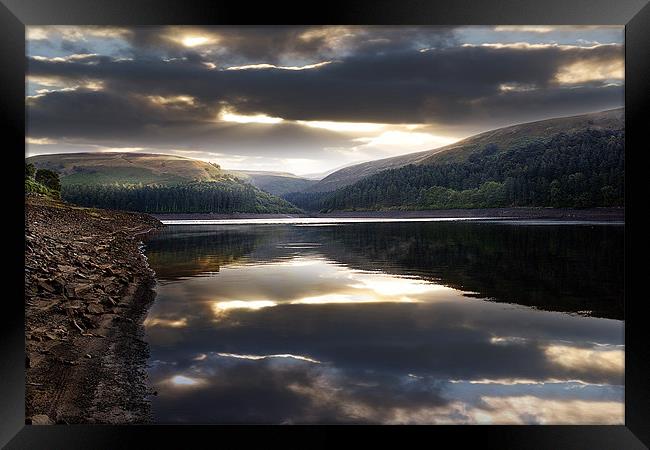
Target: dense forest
{"points": [[198, 197], [584, 169], [309, 201]]}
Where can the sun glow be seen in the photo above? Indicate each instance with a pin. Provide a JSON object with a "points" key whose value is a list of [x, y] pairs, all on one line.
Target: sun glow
{"points": [[195, 41], [220, 307], [336, 299], [397, 286], [227, 115], [343, 126], [411, 139], [182, 380]]}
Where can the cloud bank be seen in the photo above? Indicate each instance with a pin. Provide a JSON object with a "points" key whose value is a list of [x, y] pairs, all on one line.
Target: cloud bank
{"points": [[306, 98]]}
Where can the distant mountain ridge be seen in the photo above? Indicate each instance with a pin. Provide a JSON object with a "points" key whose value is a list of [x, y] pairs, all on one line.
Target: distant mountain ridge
{"points": [[276, 183], [503, 138]]}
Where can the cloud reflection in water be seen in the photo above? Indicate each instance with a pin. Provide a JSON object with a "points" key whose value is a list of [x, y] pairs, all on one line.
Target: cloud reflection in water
{"points": [[301, 338]]}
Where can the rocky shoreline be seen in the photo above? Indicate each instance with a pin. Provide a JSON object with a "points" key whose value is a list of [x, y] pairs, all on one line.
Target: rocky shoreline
{"points": [[87, 290]]}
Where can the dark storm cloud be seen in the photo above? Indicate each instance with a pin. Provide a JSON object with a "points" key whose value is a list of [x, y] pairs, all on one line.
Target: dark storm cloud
{"points": [[455, 344], [440, 86], [110, 118], [168, 87], [273, 44], [296, 392]]}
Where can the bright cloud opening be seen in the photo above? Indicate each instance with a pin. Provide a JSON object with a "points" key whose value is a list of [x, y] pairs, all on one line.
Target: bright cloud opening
{"points": [[406, 139], [227, 115], [261, 357], [343, 126], [591, 70], [195, 41], [272, 66], [242, 304], [182, 380], [172, 100]]}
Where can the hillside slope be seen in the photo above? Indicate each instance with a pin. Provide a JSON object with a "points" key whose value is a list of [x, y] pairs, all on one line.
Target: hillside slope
{"points": [[127, 168], [276, 183], [579, 169], [156, 183], [503, 138]]}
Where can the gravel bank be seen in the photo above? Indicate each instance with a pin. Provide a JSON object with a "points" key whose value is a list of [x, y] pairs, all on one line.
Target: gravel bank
{"points": [[87, 289]]}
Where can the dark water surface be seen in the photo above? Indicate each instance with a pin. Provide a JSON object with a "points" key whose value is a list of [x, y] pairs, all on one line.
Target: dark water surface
{"points": [[419, 323]]}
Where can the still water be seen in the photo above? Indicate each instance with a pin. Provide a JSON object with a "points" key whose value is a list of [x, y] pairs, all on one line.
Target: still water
{"points": [[399, 323]]}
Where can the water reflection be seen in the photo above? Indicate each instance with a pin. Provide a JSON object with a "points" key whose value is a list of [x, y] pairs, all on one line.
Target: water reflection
{"points": [[355, 324]]}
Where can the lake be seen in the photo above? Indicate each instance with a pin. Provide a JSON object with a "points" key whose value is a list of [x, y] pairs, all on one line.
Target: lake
{"points": [[410, 322]]}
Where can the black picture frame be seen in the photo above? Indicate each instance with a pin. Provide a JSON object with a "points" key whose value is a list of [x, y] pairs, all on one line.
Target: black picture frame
{"points": [[16, 14]]}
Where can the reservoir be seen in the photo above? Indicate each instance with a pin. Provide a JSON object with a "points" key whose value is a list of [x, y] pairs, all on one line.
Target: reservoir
{"points": [[368, 322]]}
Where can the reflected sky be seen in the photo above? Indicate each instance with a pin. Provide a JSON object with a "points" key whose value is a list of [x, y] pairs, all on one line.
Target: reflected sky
{"points": [[282, 331]]}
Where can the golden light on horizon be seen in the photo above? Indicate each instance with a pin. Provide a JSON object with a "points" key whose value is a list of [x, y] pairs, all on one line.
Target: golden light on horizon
{"points": [[410, 139], [228, 115], [343, 126]]}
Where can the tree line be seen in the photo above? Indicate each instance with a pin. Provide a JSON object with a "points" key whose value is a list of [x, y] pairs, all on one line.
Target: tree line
{"points": [[198, 197], [585, 169]]}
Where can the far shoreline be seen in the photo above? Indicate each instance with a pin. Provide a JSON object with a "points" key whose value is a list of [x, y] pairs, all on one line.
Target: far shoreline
{"points": [[613, 214]]}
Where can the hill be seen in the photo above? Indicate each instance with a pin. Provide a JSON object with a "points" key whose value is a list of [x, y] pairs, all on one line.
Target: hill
{"points": [[571, 162], [127, 168], [156, 183], [502, 138], [276, 183]]}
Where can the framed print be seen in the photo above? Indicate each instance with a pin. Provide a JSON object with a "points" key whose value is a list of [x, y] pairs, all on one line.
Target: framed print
{"points": [[407, 220]]}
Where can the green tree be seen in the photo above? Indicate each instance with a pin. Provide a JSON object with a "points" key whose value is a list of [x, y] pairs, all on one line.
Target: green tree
{"points": [[567, 170], [609, 195], [49, 179], [492, 194], [555, 193], [30, 170]]}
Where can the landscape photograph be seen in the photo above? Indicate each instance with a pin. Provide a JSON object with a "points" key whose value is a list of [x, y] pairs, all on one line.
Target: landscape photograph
{"points": [[324, 225]]}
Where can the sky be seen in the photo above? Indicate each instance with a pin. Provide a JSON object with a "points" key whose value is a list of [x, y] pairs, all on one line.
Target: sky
{"points": [[306, 99]]}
